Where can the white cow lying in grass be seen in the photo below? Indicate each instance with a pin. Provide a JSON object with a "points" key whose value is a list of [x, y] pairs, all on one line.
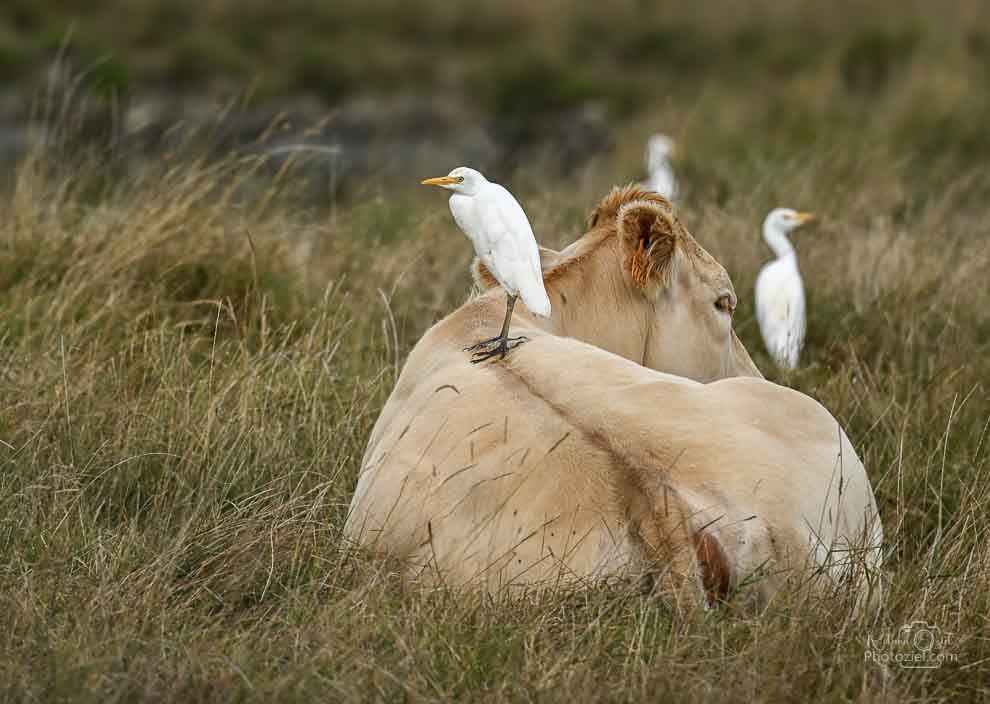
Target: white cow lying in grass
{"points": [[574, 461]]}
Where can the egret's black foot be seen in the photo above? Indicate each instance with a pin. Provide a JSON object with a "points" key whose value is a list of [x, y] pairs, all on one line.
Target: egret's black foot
{"points": [[483, 345], [496, 348]]}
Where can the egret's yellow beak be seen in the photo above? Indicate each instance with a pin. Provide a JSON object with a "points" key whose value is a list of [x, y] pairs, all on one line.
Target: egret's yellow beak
{"points": [[803, 218], [441, 181]]}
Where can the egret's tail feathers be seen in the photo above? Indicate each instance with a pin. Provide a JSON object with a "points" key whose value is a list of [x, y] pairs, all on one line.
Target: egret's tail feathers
{"points": [[535, 297]]}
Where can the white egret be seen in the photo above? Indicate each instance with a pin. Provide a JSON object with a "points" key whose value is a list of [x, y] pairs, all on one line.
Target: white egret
{"points": [[659, 149], [780, 306], [503, 239]]}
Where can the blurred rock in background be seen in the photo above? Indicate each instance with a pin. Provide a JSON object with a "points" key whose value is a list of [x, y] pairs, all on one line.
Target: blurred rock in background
{"points": [[402, 136]]}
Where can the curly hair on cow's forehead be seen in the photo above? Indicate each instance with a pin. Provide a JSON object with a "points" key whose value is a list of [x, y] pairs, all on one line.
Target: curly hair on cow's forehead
{"points": [[608, 208]]}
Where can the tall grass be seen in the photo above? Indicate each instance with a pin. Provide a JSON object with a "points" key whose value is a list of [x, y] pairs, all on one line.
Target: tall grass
{"points": [[191, 360]]}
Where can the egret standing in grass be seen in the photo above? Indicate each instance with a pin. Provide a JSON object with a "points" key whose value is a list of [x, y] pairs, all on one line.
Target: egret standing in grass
{"points": [[780, 307], [503, 239], [659, 150]]}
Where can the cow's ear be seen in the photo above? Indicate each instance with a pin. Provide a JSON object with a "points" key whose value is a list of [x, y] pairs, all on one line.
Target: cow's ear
{"points": [[549, 258], [648, 233]]}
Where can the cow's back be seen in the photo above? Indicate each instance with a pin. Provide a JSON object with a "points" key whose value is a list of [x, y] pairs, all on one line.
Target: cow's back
{"points": [[469, 477]]}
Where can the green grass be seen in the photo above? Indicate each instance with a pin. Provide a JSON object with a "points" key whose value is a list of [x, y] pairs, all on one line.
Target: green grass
{"points": [[191, 361], [515, 60]]}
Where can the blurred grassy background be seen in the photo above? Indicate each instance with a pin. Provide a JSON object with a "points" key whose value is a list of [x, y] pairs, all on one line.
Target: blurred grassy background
{"points": [[803, 72], [195, 340]]}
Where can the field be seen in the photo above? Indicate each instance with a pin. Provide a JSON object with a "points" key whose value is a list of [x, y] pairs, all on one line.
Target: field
{"points": [[192, 357]]}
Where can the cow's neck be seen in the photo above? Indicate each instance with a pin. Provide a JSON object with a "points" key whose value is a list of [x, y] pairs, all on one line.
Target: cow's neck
{"points": [[593, 304]]}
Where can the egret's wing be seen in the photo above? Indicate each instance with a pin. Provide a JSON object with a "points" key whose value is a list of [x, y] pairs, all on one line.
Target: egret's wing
{"points": [[513, 250], [499, 233], [780, 311]]}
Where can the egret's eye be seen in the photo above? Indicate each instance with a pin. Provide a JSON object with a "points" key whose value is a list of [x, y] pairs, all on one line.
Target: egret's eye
{"points": [[460, 179], [725, 304]]}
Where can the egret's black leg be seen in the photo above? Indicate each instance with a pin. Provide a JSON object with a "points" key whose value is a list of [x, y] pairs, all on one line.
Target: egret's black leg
{"points": [[497, 346], [484, 344]]}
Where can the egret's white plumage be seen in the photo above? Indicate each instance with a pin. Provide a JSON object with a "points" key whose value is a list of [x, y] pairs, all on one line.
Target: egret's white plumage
{"points": [[780, 305], [503, 239], [661, 179]]}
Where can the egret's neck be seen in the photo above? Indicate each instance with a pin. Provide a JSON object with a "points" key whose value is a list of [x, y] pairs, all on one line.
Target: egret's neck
{"points": [[778, 241], [657, 161]]}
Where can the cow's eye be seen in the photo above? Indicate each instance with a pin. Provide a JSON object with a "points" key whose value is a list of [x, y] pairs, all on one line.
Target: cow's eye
{"points": [[725, 304]]}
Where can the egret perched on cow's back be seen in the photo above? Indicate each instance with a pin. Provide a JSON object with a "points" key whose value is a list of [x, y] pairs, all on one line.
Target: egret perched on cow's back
{"points": [[661, 179], [780, 307], [503, 239]]}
